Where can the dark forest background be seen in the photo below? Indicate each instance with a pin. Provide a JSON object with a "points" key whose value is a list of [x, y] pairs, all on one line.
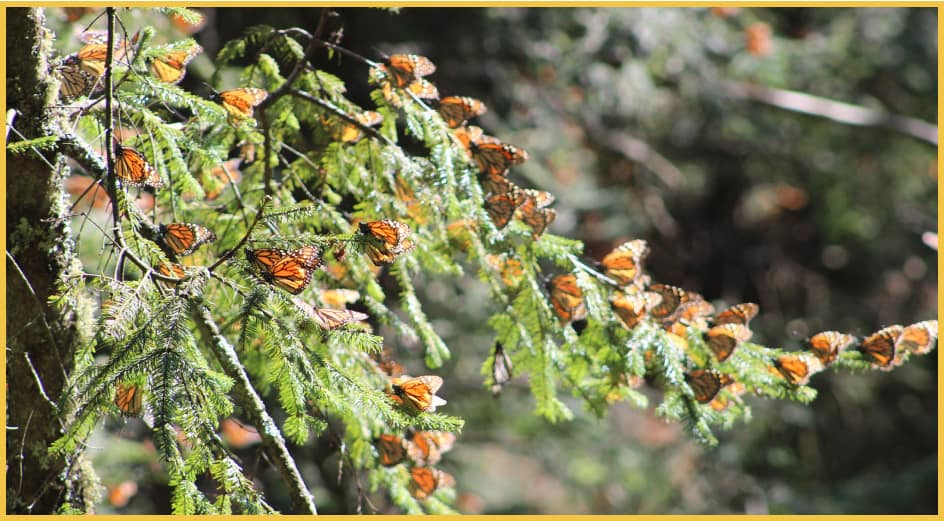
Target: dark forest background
{"points": [[642, 123]]}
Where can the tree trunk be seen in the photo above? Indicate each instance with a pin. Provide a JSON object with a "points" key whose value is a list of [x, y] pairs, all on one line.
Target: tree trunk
{"points": [[41, 335]]}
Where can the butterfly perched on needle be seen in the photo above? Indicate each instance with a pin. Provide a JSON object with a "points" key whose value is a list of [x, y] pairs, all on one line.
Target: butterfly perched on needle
{"points": [[501, 368], [347, 132], [567, 298], [289, 270], [797, 368], [631, 308], [456, 110], [533, 213], [391, 449], [404, 69], [426, 480], [386, 239], [723, 339], [737, 314], [426, 447], [501, 207], [239, 103], [919, 338], [880, 347], [329, 318], [74, 80], [185, 238], [419, 392], [827, 345], [132, 168], [624, 263], [706, 383], [171, 66], [129, 398]]}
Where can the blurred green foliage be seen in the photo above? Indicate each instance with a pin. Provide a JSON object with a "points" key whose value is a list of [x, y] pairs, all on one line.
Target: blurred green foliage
{"points": [[631, 120]]}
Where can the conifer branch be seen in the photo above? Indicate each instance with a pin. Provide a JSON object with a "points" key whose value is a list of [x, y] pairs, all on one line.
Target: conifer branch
{"points": [[272, 441]]}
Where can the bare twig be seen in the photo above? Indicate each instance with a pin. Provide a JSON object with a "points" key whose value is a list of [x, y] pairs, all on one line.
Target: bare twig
{"points": [[834, 110]]}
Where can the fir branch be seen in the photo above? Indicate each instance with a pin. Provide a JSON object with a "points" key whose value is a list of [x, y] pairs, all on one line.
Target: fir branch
{"points": [[272, 441]]}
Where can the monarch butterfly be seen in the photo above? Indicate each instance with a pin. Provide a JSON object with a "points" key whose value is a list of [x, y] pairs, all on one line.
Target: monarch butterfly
{"points": [[724, 338], [337, 298], [119, 495], [290, 271], [494, 158], [426, 447], [129, 398], [496, 184], [466, 136], [329, 318], [880, 347], [706, 383], [510, 269], [346, 132], [390, 366], [392, 449], [405, 68], [798, 368], [501, 368], [238, 435], [501, 207], [737, 314], [919, 338], [420, 88], [386, 239], [695, 311], [420, 392], [456, 110], [172, 66], [827, 345], [185, 238], [631, 309], [240, 102], [673, 300], [538, 219], [133, 169], [566, 298], [426, 480], [624, 263], [74, 80], [91, 58]]}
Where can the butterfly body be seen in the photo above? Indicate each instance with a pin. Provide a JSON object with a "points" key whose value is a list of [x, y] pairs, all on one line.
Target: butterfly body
{"points": [[419, 392], [185, 238], [290, 271]]}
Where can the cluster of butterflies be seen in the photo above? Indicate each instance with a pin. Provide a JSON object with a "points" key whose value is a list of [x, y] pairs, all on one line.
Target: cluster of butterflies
{"points": [[81, 74], [421, 449], [492, 158], [676, 309]]}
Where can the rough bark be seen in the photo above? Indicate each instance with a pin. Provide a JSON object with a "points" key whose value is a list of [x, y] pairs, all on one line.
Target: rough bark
{"points": [[41, 337]]}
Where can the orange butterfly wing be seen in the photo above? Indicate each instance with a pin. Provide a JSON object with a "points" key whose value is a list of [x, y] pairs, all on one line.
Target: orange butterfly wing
{"points": [[567, 299], [828, 344], [133, 169], [420, 392], [724, 338], [456, 110], [391, 449], [706, 383], [737, 314], [129, 399], [880, 347], [624, 263], [919, 338], [185, 238], [240, 102], [171, 67]]}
